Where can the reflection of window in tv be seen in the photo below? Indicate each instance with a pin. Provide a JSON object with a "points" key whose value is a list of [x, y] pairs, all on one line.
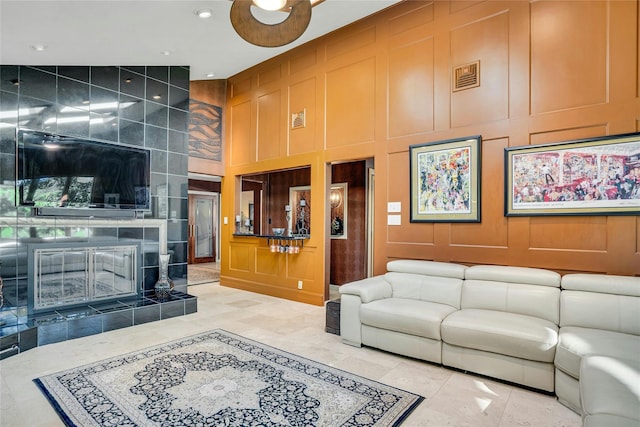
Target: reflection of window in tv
{"points": [[71, 191]]}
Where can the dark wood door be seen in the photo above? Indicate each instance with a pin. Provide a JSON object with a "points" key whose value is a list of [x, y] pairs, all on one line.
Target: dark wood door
{"points": [[203, 217]]}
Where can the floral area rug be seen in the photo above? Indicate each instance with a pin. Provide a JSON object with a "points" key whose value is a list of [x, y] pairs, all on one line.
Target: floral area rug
{"points": [[220, 379]]}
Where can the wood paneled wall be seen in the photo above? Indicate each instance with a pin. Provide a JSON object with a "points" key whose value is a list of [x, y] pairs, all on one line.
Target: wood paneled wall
{"points": [[550, 71]]}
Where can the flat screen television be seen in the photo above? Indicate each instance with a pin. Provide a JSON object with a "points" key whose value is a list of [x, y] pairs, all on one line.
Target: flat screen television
{"points": [[66, 175]]}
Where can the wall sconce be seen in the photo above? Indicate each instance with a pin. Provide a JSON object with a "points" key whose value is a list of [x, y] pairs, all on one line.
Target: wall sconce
{"points": [[267, 35]]}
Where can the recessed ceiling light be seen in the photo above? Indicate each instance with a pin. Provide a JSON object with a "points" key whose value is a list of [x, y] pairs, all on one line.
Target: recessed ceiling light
{"points": [[204, 13], [157, 96], [210, 75], [166, 52], [38, 47]]}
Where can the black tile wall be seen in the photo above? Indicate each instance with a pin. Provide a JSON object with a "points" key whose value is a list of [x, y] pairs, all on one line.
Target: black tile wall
{"points": [[140, 106]]}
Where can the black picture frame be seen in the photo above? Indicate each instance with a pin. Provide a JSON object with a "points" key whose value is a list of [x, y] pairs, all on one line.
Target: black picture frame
{"points": [[591, 176]]}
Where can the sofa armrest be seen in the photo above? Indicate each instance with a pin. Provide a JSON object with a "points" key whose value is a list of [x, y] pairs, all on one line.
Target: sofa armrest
{"points": [[369, 289]]}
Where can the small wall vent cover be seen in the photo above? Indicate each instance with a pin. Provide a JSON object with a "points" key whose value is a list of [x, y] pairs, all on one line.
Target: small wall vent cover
{"points": [[466, 76], [298, 119]]}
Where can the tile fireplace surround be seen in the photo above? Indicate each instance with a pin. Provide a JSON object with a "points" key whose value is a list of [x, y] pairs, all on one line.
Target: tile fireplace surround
{"points": [[136, 106], [24, 329]]}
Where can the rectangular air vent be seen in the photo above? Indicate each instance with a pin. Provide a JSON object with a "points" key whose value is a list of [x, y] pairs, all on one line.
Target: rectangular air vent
{"points": [[466, 76], [298, 119]]}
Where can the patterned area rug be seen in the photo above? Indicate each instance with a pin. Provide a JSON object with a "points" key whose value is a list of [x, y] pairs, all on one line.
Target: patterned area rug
{"points": [[220, 379]]}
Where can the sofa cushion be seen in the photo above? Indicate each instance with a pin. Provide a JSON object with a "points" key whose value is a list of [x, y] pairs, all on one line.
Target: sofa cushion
{"points": [[427, 268], [511, 334], [442, 290], [414, 317], [574, 343], [618, 313], [602, 283], [508, 274], [610, 386], [529, 300]]}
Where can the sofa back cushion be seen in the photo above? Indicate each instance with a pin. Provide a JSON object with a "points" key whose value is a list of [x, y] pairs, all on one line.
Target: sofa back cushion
{"points": [[439, 282], [601, 301], [528, 291], [443, 290], [428, 268]]}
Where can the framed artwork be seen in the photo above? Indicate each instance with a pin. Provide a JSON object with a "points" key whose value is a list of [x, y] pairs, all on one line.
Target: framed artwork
{"points": [[445, 180], [338, 202], [300, 203], [595, 176]]}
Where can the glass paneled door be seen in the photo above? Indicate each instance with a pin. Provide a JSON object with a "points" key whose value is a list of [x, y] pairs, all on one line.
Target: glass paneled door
{"points": [[203, 219]]}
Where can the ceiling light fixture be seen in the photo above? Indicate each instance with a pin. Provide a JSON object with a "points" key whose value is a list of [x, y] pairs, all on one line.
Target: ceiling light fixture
{"points": [[266, 35], [270, 5], [38, 47], [210, 75]]}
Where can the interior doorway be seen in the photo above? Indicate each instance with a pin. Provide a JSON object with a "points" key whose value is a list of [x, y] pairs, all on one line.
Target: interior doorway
{"points": [[350, 221], [203, 227]]}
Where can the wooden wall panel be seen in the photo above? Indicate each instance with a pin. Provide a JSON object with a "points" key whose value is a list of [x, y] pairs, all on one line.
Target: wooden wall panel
{"points": [[556, 135], [563, 76], [407, 16], [305, 60], [239, 257], [242, 148], [270, 75], [487, 41], [550, 71], [302, 98], [240, 86], [350, 104], [411, 86], [300, 266], [269, 124], [267, 262], [578, 234], [352, 42], [459, 5]]}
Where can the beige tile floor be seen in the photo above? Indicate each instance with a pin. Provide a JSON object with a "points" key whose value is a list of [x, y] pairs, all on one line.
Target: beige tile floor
{"points": [[452, 398]]}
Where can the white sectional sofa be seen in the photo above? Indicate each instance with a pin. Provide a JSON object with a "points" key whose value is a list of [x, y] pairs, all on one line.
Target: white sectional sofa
{"points": [[577, 336]]}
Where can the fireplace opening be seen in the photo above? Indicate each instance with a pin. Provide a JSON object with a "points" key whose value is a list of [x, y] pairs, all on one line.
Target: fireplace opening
{"points": [[70, 275]]}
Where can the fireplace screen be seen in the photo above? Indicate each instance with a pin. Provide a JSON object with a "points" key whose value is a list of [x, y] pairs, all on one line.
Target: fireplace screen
{"points": [[67, 276]]}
